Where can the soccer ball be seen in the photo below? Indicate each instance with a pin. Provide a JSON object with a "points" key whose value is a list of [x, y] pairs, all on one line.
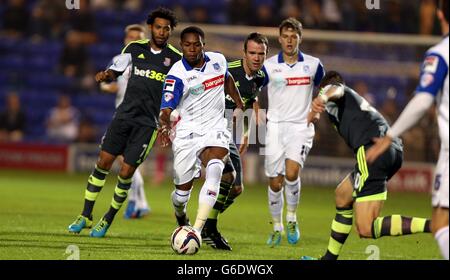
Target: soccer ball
{"points": [[185, 240]]}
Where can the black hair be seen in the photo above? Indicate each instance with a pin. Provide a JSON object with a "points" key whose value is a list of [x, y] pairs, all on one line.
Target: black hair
{"points": [[443, 6], [164, 13], [258, 38], [193, 30], [292, 23], [331, 78]]}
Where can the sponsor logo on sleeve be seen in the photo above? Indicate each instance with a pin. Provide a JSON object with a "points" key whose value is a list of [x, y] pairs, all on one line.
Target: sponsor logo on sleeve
{"points": [[168, 96], [169, 85], [426, 80], [431, 64]]}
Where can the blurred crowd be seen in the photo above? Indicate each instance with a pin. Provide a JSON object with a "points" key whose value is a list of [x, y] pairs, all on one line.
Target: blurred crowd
{"points": [[51, 19], [421, 141]]}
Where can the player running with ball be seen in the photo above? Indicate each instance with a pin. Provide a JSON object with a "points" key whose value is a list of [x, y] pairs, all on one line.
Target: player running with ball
{"points": [[196, 88]]}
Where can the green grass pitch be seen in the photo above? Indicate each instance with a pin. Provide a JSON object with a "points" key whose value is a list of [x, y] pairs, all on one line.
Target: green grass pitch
{"points": [[37, 207]]}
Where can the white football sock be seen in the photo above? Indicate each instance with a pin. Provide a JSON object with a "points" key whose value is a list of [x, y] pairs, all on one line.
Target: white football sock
{"points": [[138, 186], [292, 192], [179, 200], [442, 240], [276, 203], [133, 192], [209, 192]]}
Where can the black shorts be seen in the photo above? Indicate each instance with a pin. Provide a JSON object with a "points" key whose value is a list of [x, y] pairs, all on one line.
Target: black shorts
{"points": [[369, 181], [234, 164], [131, 140]]}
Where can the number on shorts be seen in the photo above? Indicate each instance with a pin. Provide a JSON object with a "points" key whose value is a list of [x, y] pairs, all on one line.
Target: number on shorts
{"points": [[357, 180], [437, 182], [142, 155]]}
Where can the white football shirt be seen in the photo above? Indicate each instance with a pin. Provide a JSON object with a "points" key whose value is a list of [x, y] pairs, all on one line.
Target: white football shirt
{"points": [[290, 87], [434, 81], [197, 94]]}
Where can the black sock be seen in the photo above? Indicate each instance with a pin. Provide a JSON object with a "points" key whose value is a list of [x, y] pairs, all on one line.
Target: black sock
{"points": [[120, 195], [95, 184]]}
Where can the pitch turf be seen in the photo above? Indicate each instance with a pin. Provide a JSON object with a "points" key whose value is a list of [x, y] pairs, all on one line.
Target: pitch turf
{"points": [[37, 207]]}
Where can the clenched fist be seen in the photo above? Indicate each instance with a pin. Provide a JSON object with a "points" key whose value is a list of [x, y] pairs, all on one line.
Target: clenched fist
{"points": [[104, 76]]}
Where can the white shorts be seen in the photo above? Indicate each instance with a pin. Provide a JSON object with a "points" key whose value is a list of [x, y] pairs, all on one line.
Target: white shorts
{"points": [[186, 152], [440, 189], [286, 141]]}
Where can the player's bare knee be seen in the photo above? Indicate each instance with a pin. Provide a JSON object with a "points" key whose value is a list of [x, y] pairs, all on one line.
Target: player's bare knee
{"points": [[364, 229], [342, 200], [185, 187], [276, 186], [105, 162], [229, 177], [438, 223], [236, 190], [214, 153], [126, 171], [292, 177], [292, 174]]}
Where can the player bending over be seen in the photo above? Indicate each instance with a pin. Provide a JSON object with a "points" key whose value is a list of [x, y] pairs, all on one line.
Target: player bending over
{"points": [[360, 196]]}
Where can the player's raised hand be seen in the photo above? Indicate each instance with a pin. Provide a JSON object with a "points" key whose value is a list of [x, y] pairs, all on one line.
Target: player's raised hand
{"points": [[379, 147]]}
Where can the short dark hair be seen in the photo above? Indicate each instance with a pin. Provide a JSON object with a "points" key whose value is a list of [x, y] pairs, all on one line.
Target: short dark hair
{"points": [[194, 30], [331, 78], [292, 23], [258, 38], [164, 13], [443, 6]]}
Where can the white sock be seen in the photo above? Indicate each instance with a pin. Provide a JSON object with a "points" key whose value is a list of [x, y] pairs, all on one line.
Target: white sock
{"points": [[209, 192], [276, 203], [133, 192], [442, 239], [179, 200], [138, 182], [292, 192]]}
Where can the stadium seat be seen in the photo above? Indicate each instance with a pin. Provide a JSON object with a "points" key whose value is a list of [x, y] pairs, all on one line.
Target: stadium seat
{"points": [[40, 63], [12, 62], [112, 35], [105, 18]]}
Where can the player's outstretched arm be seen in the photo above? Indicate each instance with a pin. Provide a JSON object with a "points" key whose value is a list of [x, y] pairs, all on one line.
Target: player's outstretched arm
{"points": [[413, 112], [256, 112], [164, 126], [254, 119], [233, 92]]}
